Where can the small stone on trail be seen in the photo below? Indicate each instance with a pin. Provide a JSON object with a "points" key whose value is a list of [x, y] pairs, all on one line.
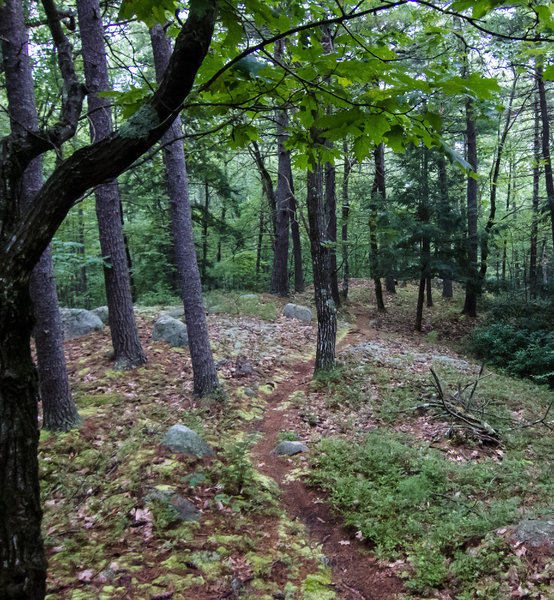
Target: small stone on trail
{"points": [[183, 440], [184, 509], [288, 448]]}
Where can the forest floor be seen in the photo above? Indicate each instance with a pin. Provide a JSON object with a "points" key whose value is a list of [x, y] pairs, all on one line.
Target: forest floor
{"points": [[273, 527]]}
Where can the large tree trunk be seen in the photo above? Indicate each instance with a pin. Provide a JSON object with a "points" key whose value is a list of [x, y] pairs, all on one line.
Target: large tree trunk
{"points": [[25, 233], [473, 282], [22, 562], [279, 273], [325, 306], [125, 338], [377, 194], [59, 412], [204, 372]]}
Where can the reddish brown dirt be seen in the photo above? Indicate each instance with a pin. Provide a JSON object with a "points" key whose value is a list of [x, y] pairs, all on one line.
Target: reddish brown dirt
{"points": [[356, 574]]}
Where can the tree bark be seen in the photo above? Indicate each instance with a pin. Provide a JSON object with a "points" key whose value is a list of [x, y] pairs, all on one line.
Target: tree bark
{"points": [[444, 213], [203, 367], [25, 232], [296, 242], [494, 185], [545, 139], [423, 218], [325, 306], [533, 267], [377, 193], [279, 274], [473, 282], [345, 214], [124, 333], [59, 412]]}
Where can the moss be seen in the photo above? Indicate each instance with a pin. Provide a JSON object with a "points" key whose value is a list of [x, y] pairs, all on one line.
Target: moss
{"points": [[316, 586], [89, 400]]}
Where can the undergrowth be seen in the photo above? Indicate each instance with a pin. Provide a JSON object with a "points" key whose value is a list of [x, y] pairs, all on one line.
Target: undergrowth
{"points": [[406, 499]]}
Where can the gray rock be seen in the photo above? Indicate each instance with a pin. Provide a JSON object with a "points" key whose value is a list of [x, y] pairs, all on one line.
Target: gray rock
{"points": [[297, 311], [171, 331], [173, 311], [182, 509], [248, 298], [215, 310], [77, 322], [289, 448], [102, 313], [536, 532], [183, 440]]}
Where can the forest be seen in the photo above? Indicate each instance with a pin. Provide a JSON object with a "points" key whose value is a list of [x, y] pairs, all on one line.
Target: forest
{"points": [[277, 309]]}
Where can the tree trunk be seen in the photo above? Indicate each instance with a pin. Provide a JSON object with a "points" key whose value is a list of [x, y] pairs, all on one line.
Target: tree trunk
{"points": [[205, 229], [494, 185], [267, 186], [203, 367], [473, 282], [545, 121], [423, 218], [22, 562], [420, 301], [220, 240], [59, 412], [429, 291], [296, 243], [82, 276], [325, 306], [377, 193], [345, 214], [260, 241], [125, 338], [24, 236], [444, 213], [279, 274], [533, 269]]}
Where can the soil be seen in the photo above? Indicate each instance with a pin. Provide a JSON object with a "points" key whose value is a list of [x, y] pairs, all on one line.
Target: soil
{"points": [[356, 575]]}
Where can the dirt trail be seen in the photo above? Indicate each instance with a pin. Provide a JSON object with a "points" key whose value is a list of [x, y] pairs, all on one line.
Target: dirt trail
{"points": [[355, 574]]}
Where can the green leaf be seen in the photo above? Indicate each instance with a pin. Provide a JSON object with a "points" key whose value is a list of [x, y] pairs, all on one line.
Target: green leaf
{"points": [[149, 12], [548, 74], [242, 135]]}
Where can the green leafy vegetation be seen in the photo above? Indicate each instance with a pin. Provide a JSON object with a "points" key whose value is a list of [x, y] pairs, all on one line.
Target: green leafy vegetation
{"points": [[518, 337]]}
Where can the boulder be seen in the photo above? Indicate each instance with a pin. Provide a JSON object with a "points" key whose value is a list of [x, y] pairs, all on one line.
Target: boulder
{"points": [[77, 322], [102, 313], [183, 440], [536, 532], [289, 448], [171, 331], [297, 311], [173, 311], [180, 508]]}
